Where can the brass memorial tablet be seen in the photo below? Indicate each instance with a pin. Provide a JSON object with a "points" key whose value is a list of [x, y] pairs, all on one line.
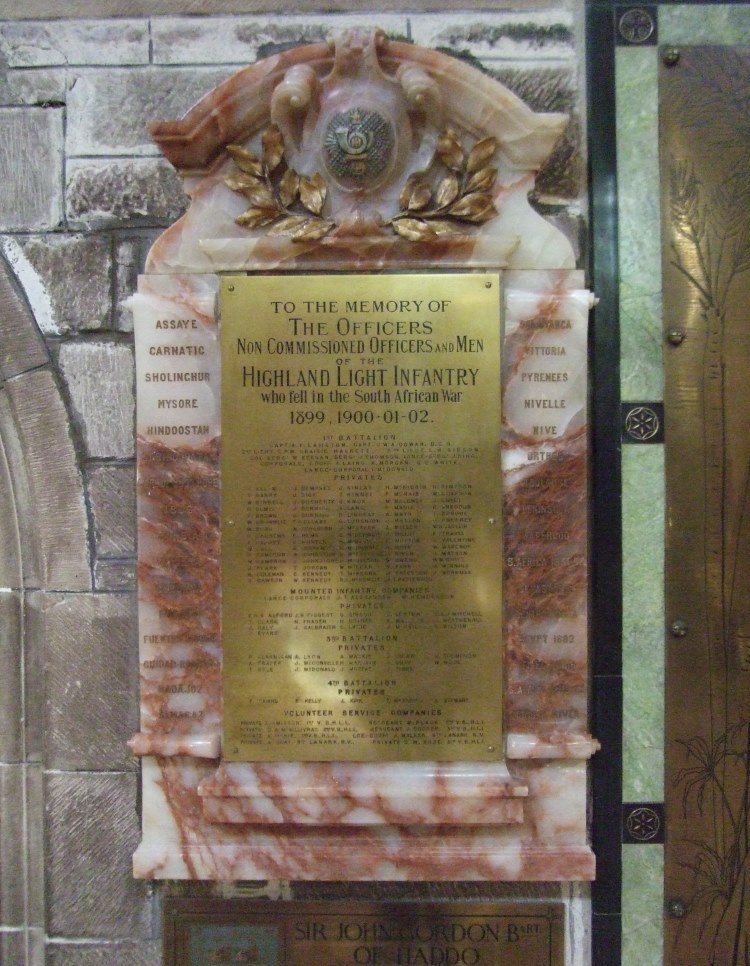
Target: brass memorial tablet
{"points": [[361, 517], [341, 933]]}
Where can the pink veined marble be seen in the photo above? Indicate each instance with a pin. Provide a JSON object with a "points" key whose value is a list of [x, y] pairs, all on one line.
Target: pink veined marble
{"points": [[524, 817]]}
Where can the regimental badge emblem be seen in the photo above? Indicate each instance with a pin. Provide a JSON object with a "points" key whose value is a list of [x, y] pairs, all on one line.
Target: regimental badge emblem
{"points": [[358, 147]]}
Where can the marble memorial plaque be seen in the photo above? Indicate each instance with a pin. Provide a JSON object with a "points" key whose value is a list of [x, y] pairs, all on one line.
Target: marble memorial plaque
{"points": [[361, 517], [206, 931], [465, 148]]}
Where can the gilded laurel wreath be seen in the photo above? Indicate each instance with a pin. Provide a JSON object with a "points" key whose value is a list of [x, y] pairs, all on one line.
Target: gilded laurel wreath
{"points": [[289, 202], [463, 195], [430, 206]]}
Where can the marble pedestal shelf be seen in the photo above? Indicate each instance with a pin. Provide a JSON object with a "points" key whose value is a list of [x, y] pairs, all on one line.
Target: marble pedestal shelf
{"points": [[523, 818], [383, 822]]}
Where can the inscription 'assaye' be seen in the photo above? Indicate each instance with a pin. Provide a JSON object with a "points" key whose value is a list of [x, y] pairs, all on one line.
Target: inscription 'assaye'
{"points": [[361, 520]]}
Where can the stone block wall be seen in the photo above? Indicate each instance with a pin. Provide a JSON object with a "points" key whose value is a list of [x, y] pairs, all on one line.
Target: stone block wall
{"points": [[84, 196]]}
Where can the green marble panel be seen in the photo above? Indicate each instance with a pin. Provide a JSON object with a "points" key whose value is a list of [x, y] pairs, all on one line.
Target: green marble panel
{"points": [[643, 721], [639, 223], [642, 905], [643, 622], [642, 466], [724, 23]]}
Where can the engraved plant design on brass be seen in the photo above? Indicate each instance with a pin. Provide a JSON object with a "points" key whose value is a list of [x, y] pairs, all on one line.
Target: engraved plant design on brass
{"points": [[708, 205], [432, 204], [711, 249], [431, 210], [280, 197]]}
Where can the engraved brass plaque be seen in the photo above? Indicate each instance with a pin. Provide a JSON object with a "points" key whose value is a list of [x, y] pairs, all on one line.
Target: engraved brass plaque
{"points": [[361, 517], [199, 932], [705, 152]]}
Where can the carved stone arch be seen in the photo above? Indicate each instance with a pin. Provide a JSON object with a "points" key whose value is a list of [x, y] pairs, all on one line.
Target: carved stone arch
{"points": [[42, 464], [44, 555]]}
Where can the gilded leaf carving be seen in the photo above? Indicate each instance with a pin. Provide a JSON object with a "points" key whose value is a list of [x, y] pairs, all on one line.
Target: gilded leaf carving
{"points": [[414, 229], [454, 189], [447, 191], [450, 151], [273, 147], [461, 195], [274, 189], [480, 154], [245, 160], [257, 217], [289, 187], [313, 229], [312, 193], [475, 207], [288, 225], [241, 181], [260, 196], [482, 180]]}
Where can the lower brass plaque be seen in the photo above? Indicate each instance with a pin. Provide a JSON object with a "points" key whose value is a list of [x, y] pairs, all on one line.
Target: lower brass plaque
{"points": [[199, 932], [361, 517]]}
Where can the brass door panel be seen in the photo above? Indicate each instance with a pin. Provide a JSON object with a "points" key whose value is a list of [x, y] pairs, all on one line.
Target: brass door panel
{"points": [[705, 176]]}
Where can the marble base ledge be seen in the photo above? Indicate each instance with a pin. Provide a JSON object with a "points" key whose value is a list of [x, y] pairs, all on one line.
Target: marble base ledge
{"points": [[353, 822], [398, 793], [385, 854]]}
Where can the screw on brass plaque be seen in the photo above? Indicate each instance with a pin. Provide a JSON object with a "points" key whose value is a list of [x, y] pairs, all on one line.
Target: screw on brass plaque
{"points": [[643, 822], [676, 336], [671, 56], [678, 628], [642, 422], [676, 908], [636, 26]]}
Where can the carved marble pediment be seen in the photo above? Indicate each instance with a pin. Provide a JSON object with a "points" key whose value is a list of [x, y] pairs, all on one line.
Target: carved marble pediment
{"points": [[364, 151]]}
